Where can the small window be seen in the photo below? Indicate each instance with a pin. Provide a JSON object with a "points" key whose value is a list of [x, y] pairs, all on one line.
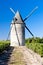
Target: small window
{"points": [[15, 19]]}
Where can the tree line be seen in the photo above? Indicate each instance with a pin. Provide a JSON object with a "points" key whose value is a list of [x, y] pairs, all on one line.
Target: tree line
{"points": [[34, 40]]}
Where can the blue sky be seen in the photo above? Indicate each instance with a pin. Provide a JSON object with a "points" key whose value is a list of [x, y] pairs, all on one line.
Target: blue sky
{"points": [[34, 23]]}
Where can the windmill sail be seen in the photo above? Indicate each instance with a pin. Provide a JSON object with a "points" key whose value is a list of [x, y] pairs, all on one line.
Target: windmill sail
{"points": [[12, 10], [30, 13], [29, 30]]}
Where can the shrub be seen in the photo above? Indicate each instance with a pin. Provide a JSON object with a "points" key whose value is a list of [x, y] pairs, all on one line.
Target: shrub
{"points": [[4, 45], [36, 47]]}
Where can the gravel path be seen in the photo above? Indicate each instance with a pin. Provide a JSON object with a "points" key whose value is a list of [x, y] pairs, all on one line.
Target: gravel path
{"points": [[30, 57], [20, 56]]}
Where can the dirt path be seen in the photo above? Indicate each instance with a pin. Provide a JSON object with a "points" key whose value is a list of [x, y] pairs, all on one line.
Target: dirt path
{"points": [[20, 56], [25, 57], [30, 57]]}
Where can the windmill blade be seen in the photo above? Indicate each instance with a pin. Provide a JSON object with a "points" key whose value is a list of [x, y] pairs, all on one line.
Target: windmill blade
{"points": [[31, 13], [9, 32], [29, 30], [8, 35], [12, 10], [11, 28], [10, 24]]}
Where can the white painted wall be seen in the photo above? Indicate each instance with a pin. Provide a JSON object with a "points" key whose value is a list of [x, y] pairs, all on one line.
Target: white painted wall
{"points": [[17, 35]]}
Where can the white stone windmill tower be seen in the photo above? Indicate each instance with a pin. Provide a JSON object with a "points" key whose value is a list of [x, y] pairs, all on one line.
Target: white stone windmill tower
{"points": [[17, 31], [17, 35]]}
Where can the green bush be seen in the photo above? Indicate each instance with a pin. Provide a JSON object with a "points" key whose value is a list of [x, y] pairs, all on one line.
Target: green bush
{"points": [[36, 47], [35, 40], [4, 45]]}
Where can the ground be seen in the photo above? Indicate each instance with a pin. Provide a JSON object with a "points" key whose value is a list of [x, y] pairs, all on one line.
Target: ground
{"points": [[20, 56]]}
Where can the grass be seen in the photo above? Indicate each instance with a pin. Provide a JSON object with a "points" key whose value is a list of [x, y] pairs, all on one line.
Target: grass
{"points": [[36, 47], [4, 45]]}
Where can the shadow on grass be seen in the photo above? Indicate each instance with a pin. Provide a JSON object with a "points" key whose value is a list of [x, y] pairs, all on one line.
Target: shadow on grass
{"points": [[5, 56]]}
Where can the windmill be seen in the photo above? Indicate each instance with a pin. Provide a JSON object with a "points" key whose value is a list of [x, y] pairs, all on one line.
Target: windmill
{"points": [[17, 29]]}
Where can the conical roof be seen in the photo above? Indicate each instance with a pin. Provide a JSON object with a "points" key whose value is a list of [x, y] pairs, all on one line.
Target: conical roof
{"points": [[17, 18]]}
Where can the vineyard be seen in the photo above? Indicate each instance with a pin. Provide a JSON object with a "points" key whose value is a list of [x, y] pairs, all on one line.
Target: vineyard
{"points": [[4, 45], [36, 45]]}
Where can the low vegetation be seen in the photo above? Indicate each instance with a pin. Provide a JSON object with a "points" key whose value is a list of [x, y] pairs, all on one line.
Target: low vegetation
{"points": [[36, 44], [4, 45]]}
